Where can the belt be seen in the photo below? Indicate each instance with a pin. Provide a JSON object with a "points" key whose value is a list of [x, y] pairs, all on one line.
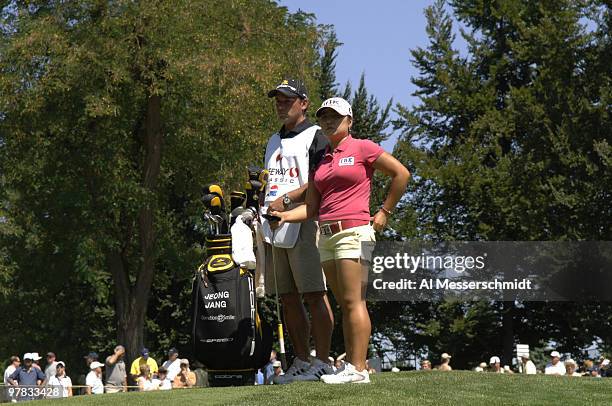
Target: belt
{"points": [[337, 226]]}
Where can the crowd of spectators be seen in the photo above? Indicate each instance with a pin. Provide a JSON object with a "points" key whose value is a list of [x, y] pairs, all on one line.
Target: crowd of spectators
{"points": [[110, 376], [569, 367]]}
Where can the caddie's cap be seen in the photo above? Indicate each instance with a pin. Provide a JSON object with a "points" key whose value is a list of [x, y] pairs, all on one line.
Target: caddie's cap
{"points": [[291, 88]]}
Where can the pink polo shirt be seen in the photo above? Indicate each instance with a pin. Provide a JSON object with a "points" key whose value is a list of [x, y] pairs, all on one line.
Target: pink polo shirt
{"points": [[344, 178]]}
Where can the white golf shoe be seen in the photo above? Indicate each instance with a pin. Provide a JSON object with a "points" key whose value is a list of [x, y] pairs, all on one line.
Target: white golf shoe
{"points": [[348, 375]]}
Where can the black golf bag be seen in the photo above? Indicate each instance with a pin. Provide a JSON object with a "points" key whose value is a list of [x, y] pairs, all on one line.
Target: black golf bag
{"points": [[229, 337]]}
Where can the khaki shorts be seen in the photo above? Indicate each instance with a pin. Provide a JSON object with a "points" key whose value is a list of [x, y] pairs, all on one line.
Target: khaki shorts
{"points": [[345, 244], [298, 269], [113, 389]]}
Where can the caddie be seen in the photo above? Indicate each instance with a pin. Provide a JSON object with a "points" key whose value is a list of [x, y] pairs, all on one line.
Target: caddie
{"points": [[291, 154]]}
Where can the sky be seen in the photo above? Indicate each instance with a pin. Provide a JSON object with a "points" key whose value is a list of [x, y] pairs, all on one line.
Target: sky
{"points": [[377, 38]]}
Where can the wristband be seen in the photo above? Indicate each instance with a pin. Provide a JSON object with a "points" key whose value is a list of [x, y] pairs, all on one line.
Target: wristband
{"points": [[387, 212]]}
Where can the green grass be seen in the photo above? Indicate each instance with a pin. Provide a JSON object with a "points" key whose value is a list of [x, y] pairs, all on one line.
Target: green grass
{"points": [[387, 389]]}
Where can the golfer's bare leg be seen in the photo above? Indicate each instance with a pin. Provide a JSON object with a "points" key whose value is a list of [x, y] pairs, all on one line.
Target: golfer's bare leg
{"points": [[350, 279], [296, 321], [331, 275], [322, 322]]}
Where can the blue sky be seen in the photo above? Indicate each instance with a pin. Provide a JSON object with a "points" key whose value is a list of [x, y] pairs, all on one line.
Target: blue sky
{"points": [[377, 37]]}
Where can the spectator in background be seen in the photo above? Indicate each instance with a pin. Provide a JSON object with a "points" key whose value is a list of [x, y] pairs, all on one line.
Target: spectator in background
{"points": [[555, 367], [185, 378], [60, 381], [15, 362], [570, 368], [94, 379], [172, 364], [528, 367], [35, 360], [495, 365], [162, 382], [27, 375], [277, 371], [268, 369], [604, 368], [51, 363], [426, 365], [144, 380], [144, 359], [593, 371], [445, 365], [91, 357], [587, 365], [116, 373]]}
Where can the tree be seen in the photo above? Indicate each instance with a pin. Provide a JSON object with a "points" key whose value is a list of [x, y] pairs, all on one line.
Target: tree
{"points": [[111, 117], [370, 120], [511, 142], [327, 62]]}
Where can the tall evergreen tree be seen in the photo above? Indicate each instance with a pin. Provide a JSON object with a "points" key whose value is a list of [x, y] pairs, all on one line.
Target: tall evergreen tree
{"points": [[371, 120], [327, 64], [511, 142]]}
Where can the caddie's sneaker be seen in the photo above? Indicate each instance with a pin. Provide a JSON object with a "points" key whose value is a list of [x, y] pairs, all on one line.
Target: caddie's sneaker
{"points": [[317, 369], [298, 367], [348, 375]]}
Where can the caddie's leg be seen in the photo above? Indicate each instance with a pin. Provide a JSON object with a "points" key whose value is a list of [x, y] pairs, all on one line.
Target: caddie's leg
{"points": [[322, 320], [296, 321]]}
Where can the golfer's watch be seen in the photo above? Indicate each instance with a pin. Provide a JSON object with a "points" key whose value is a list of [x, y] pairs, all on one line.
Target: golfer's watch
{"points": [[286, 200]]}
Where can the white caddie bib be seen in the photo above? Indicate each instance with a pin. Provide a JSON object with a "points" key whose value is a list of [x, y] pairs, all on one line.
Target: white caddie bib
{"points": [[287, 165]]}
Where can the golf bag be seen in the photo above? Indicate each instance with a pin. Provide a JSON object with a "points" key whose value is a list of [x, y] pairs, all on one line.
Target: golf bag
{"points": [[229, 337]]}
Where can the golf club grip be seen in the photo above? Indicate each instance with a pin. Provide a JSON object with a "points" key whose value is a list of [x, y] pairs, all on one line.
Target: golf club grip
{"points": [[281, 340], [270, 217]]}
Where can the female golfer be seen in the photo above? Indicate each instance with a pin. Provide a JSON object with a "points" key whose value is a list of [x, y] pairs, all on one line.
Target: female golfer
{"points": [[339, 195]]}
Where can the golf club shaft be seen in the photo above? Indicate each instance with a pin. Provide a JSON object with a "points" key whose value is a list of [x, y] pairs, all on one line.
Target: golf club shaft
{"points": [[281, 337]]}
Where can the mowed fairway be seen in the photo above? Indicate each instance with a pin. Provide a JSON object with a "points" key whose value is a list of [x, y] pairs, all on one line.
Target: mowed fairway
{"points": [[434, 388]]}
